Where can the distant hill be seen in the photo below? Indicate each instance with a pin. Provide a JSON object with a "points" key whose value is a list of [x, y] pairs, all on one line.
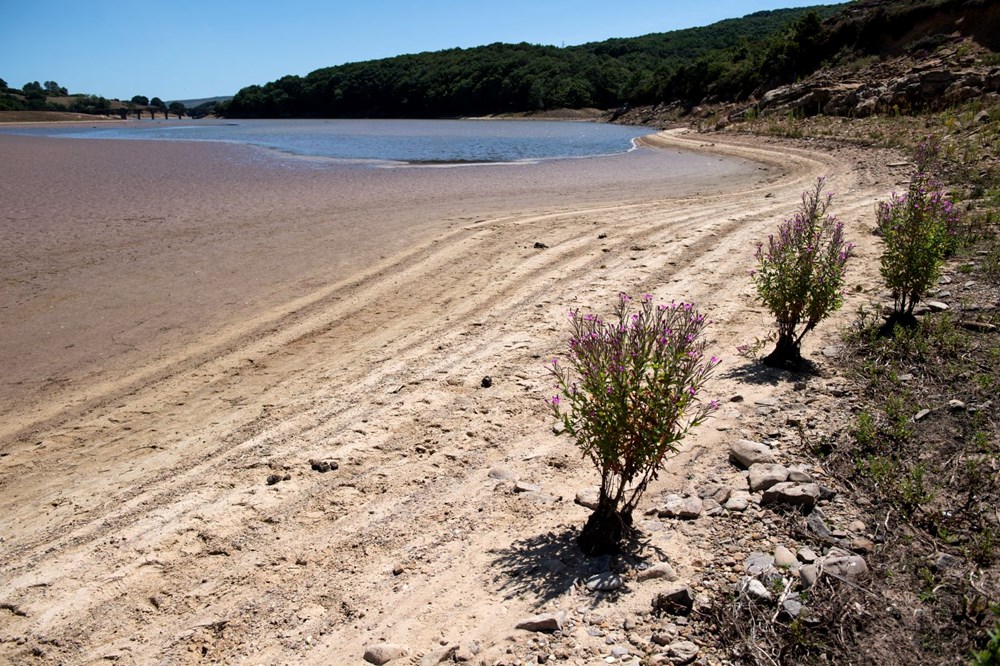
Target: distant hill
{"points": [[510, 78], [195, 103]]}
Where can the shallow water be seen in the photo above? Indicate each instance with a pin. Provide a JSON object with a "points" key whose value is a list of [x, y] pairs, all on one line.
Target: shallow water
{"points": [[381, 142]]}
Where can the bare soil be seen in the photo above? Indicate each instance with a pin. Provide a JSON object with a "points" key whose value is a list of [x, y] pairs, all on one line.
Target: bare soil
{"points": [[174, 516]]}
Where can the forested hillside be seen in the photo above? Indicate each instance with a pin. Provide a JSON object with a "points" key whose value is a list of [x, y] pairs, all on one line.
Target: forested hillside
{"points": [[727, 58]]}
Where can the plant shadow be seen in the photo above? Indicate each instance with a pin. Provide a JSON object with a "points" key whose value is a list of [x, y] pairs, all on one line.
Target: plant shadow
{"points": [[756, 372], [549, 565]]}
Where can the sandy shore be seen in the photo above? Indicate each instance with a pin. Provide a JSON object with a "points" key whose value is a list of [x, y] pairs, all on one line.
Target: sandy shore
{"points": [[178, 327]]}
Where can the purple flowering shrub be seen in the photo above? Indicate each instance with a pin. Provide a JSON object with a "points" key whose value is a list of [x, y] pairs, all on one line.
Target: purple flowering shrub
{"points": [[800, 274], [628, 395], [919, 229]]}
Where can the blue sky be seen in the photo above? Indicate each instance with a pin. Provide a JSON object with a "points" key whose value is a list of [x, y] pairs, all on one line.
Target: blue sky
{"points": [[180, 49]]}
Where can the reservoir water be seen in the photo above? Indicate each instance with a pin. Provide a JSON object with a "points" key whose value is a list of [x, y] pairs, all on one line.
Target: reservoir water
{"points": [[380, 142]]}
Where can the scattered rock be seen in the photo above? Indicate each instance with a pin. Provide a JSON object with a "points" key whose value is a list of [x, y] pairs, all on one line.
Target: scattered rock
{"points": [[685, 508], [717, 492], [662, 570], [604, 582], [758, 563], [849, 567], [803, 495], [814, 521], [979, 326], [546, 622], [678, 600], [756, 590], [764, 475], [382, 653], [273, 479], [738, 501], [503, 474], [921, 414], [525, 487], [589, 497], [799, 474], [682, 652], [806, 555], [791, 608], [956, 405], [558, 428], [937, 306], [747, 453], [783, 557], [541, 246], [554, 565], [946, 562], [808, 575], [486, 382]]}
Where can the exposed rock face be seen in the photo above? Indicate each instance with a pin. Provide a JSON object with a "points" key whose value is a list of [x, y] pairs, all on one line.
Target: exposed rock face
{"points": [[929, 85]]}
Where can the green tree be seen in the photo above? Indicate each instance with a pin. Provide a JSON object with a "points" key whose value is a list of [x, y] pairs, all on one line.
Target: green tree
{"points": [[3, 86], [177, 108], [53, 89], [140, 100]]}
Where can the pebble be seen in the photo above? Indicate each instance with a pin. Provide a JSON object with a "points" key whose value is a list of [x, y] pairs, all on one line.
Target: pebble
{"points": [[685, 508], [746, 453], [382, 653], [756, 590], [764, 475], [657, 571], [682, 652], [604, 582], [806, 555], [546, 622], [589, 498], [525, 487], [678, 600], [797, 494], [738, 501], [503, 474], [783, 557], [758, 563]]}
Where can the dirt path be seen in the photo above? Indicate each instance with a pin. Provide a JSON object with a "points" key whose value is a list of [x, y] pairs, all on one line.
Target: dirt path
{"points": [[139, 528]]}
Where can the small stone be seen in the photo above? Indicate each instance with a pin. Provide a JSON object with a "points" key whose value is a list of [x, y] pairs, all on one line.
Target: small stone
{"points": [[848, 567], [738, 501], [662, 570], [956, 405], [558, 427], [756, 590], [604, 582], [806, 555], [273, 479], [678, 600], [832, 351], [946, 562], [717, 492], [804, 495], [502, 474], [486, 382], [746, 453], [808, 575], [758, 563], [921, 414], [863, 545], [856, 526], [814, 521], [682, 652], [540, 246], [685, 508], [799, 473], [525, 487], [382, 653], [589, 498], [764, 475], [937, 306], [791, 608], [736, 398], [546, 622], [783, 557]]}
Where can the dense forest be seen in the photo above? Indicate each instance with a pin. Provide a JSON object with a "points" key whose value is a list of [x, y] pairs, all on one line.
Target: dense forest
{"points": [[726, 59]]}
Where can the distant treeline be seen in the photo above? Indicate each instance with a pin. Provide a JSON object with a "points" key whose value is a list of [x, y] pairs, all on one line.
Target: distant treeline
{"points": [[726, 60]]}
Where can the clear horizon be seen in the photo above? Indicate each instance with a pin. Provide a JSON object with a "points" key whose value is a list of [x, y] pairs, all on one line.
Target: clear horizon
{"points": [[186, 50]]}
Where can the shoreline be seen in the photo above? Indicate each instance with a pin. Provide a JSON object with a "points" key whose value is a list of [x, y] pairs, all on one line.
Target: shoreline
{"points": [[99, 284], [159, 484]]}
